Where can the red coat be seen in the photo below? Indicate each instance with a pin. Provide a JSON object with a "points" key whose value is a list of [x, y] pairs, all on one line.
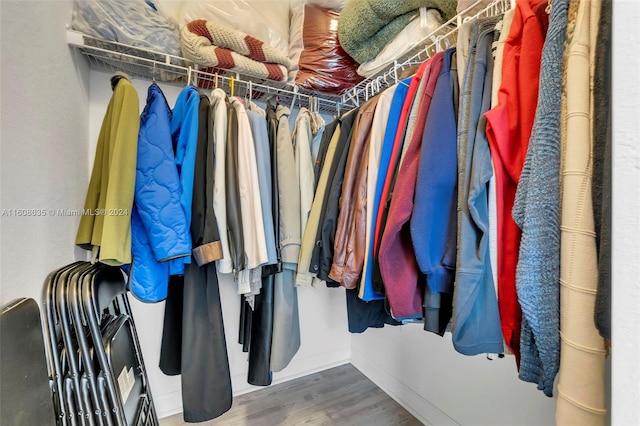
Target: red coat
{"points": [[509, 127], [396, 258]]}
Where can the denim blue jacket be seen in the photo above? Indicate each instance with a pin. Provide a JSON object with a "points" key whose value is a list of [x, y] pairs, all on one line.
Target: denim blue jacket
{"points": [[476, 322]]}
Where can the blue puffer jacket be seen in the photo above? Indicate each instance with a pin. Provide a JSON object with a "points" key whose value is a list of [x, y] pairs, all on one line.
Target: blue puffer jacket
{"points": [[159, 226]]}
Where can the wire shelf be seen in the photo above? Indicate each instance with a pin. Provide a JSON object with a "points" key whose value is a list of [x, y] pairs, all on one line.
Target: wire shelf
{"points": [[108, 56], [441, 38]]}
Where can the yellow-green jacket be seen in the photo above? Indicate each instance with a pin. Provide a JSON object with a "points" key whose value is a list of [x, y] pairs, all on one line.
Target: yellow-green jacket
{"points": [[105, 226]]}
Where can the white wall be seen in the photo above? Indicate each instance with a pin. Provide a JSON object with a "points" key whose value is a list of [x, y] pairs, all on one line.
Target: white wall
{"points": [[44, 150], [323, 321], [439, 386]]}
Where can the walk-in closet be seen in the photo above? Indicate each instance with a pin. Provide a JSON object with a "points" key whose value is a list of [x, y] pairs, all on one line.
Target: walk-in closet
{"points": [[335, 212]]}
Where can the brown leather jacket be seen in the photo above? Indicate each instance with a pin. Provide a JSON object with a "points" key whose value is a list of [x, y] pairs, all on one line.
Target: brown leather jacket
{"points": [[349, 243]]}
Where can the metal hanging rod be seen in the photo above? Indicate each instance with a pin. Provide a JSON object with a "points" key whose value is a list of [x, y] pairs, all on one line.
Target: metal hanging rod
{"points": [[156, 66], [250, 86]]}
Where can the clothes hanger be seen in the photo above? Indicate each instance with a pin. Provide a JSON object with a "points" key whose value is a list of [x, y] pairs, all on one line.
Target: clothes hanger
{"points": [[395, 71], [384, 78], [272, 97], [215, 81], [269, 97], [232, 86], [189, 72], [293, 100], [438, 43], [247, 94]]}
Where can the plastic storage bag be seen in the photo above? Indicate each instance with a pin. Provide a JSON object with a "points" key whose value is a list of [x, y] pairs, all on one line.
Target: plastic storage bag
{"points": [[427, 22], [266, 20], [136, 23], [319, 61]]}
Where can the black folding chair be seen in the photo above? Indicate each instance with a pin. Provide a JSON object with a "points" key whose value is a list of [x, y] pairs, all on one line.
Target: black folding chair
{"points": [[100, 407], [24, 386], [117, 348], [63, 395], [75, 374], [96, 371]]}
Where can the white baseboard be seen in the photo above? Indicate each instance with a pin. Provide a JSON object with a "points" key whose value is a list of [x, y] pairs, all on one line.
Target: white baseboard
{"points": [[413, 402], [171, 403], [168, 404], [298, 367]]}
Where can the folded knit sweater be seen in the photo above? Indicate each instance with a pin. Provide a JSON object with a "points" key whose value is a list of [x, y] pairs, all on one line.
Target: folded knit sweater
{"points": [[207, 43], [365, 27]]}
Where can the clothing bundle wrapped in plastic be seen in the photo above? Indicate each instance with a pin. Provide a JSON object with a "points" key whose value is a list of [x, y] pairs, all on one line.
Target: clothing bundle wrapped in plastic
{"points": [[207, 43], [319, 62], [367, 26], [133, 22], [426, 23], [266, 20]]}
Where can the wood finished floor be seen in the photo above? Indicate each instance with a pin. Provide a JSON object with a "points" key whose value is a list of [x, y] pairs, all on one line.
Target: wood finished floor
{"points": [[338, 396]]}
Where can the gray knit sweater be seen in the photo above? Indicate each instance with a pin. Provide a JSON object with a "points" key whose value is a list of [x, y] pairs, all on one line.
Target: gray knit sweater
{"points": [[537, 213]]}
